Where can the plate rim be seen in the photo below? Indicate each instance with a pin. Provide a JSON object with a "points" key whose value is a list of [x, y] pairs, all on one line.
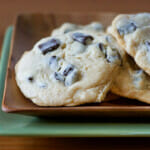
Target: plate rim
{"points": [[141, 130], [8, 108]]}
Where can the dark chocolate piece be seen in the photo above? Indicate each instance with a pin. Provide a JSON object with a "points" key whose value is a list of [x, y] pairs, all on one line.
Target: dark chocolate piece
{"points": [[127, 28], [53, 62], [147, 43], [59, 77], [82, 38], [114, 58], [68, 69], [102, 47], [72, 77], [49, 46], [31, 79]]}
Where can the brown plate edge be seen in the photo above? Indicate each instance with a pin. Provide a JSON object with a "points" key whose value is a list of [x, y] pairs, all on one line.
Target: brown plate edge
{"points": [[28, 111]]}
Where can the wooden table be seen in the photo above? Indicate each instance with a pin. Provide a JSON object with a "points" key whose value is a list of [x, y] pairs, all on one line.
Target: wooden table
{"points": [[8, 10], [32, 143]]}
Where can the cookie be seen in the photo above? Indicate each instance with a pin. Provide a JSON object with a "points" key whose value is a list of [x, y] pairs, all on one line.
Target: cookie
{"points": [[68, 27], [133, 34], [132, 82], [69, 69]]}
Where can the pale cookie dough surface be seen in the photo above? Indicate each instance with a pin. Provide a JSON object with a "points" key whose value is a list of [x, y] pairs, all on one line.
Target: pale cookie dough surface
{"points": [[133, 34], [68, 27], [132, 82], [70, 69]]}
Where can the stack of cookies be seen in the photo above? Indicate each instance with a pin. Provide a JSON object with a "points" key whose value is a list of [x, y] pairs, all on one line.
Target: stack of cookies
{"points": [[80, 64]]}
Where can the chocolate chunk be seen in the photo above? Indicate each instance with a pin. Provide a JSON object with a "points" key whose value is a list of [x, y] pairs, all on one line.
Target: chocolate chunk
{"points": [[127, 28], [59, 77], [67, 75], [72, 77], [109, 39], [111, 55], [82, 38], [114, 57], [49, 46], [68, 69], [147, 43], [53, 62], [31, 79], [102, 47], [52, 58]]}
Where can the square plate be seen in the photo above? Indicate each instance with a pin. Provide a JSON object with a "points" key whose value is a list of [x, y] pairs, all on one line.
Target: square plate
{"points": [[30, 28], [13, 124]]}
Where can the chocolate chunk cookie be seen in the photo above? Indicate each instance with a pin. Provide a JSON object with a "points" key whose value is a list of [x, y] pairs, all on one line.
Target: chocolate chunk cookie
{"points": [[133, 34], [132, 82], [68, 27], [70, 69]]}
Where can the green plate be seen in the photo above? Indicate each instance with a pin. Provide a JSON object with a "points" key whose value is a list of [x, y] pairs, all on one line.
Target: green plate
{"points": [[12, 124]]}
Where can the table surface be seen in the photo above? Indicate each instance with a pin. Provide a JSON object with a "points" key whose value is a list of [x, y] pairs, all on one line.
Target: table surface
{"points": [[9, 10]]}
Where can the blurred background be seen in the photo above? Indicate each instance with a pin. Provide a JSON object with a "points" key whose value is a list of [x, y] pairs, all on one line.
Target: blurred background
{"points": [[10, 8], [8, 11]]}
